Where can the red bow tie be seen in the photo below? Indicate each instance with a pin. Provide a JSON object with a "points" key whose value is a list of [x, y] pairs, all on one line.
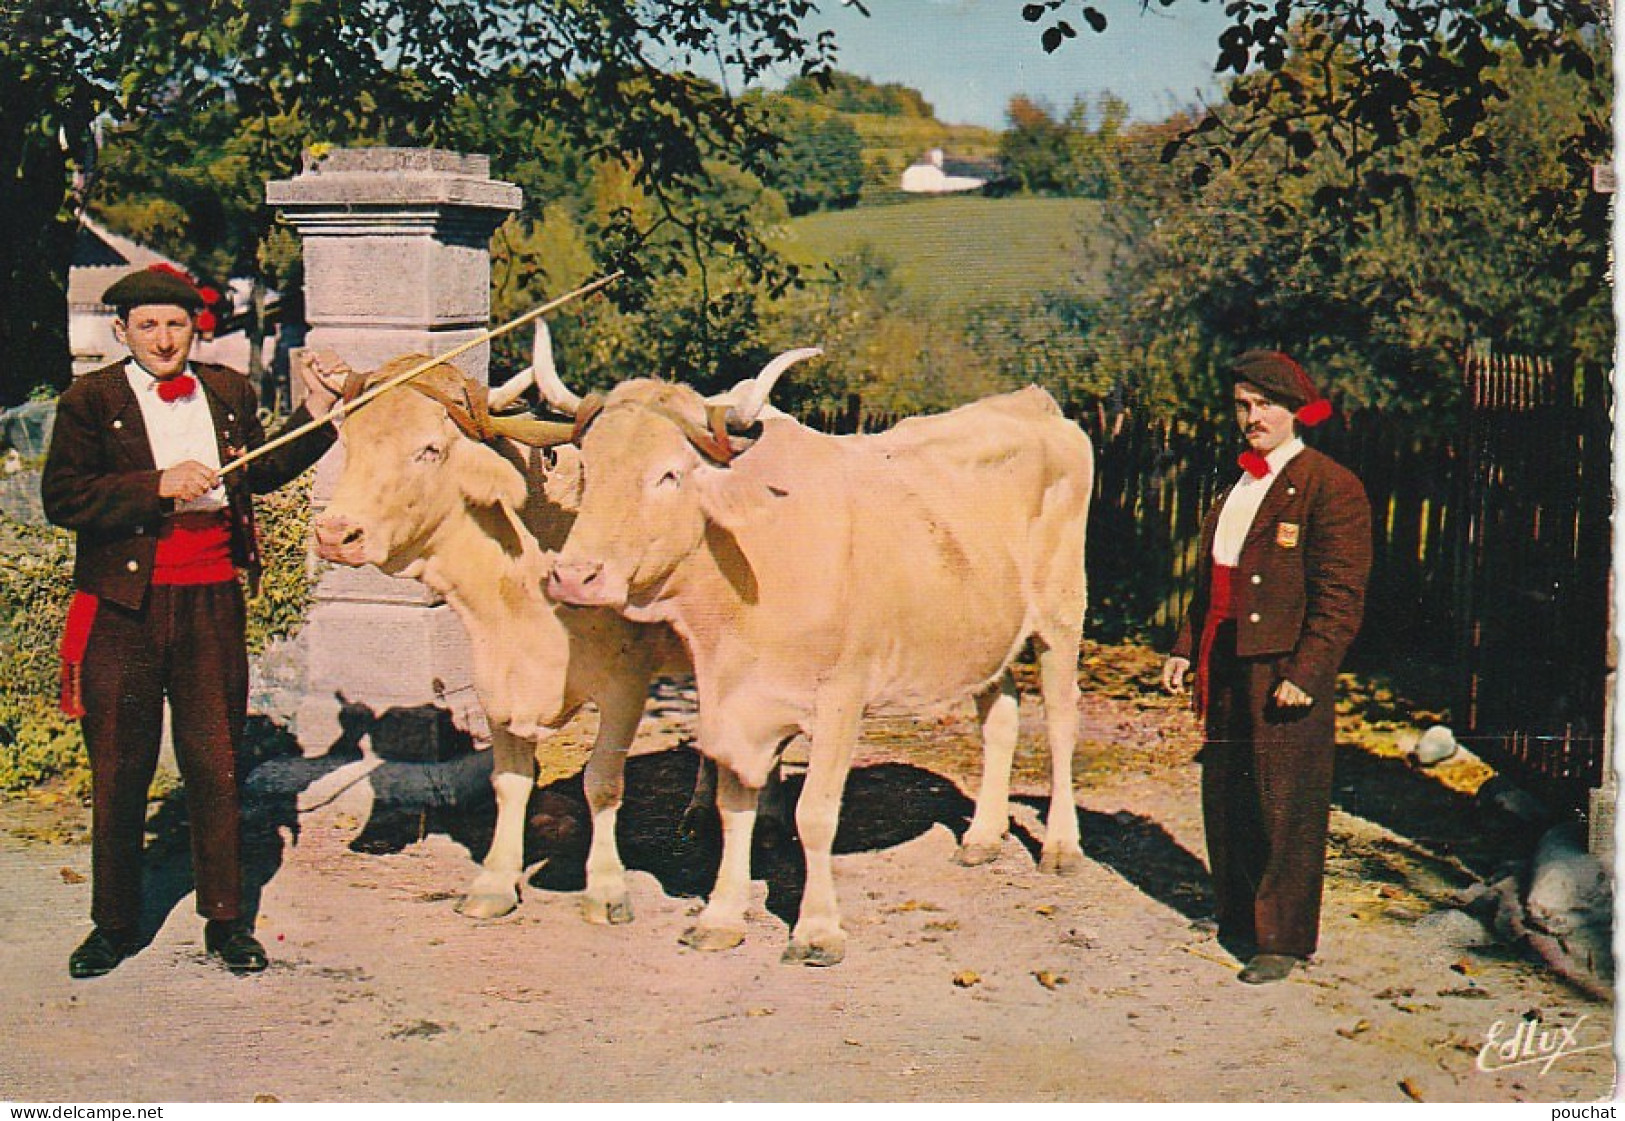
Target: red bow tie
{"points": [[177, 387], [1254, 464]]}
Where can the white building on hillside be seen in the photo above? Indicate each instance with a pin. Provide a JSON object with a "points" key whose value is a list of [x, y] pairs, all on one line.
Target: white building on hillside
{"points": [[935, 175]]}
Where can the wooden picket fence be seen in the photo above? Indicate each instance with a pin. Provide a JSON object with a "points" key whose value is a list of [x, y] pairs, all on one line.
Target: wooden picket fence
{"points": [[1534, 551], [1491, 560]]}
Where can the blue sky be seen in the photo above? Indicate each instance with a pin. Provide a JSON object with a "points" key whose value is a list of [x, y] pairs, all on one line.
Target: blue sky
{"points": [[969, 57]]}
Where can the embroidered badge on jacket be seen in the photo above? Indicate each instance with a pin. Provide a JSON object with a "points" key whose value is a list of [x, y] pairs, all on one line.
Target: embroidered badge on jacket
{"points": [[1286, 535]]}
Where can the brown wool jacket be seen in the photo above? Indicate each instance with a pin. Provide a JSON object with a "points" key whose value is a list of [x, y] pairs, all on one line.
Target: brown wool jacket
{"points": [[1299, 590], [101, 481]]}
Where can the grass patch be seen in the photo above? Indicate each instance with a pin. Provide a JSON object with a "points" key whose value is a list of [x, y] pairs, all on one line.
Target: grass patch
{"points": [[951, 254]]}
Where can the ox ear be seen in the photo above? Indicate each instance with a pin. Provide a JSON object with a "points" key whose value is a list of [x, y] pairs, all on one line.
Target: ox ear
{"points": [[485, 478], [562, 483], [732, 498]]}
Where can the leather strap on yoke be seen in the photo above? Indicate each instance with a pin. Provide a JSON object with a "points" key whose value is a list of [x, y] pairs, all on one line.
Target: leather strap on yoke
{"points": [[587, 412], [354, 383], [473, 418], [714, 441]]}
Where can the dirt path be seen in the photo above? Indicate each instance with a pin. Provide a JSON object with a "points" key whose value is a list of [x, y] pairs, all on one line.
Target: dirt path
{"points": [[994, 983]]}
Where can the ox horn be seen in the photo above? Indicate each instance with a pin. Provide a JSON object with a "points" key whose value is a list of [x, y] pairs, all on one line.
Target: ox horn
{"points": [[510, 391], [752, 393], [532, 432], [546, 374], [543, 373], [338, 411]]}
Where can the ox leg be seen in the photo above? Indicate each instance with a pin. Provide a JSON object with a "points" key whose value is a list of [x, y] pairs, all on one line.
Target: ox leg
{"points": [[1058, 676], [697, 816], [495, 891], [721, 926], [999, 710], [606, 899], [773, 805], [818, 938]]}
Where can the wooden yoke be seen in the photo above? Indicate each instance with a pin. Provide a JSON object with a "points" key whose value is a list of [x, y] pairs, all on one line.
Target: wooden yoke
{"points": [[340, 408]]}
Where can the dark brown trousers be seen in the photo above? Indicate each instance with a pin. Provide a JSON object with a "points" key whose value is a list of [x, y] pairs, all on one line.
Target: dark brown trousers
{"points": [[186, 643], [1266, 800]]}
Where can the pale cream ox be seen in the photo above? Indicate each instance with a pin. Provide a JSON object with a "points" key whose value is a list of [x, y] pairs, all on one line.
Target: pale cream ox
{"points": [[419, 498], [816, 578]]}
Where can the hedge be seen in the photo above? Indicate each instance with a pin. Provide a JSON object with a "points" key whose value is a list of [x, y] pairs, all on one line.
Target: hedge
{"points": [[40, 746]]}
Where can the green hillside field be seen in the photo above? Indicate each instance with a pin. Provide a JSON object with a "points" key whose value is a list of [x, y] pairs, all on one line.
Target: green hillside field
{"points": [[958, 252]]}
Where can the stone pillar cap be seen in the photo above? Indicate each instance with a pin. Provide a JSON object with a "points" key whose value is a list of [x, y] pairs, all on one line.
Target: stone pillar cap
{"points": [[394, 177]]}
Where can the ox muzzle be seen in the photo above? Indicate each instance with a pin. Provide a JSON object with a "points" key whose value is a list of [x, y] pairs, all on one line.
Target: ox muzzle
{"points": [[585, 584], [340, 539]]}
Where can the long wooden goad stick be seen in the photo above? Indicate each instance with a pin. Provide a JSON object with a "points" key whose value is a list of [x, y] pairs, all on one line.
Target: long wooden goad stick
{"points": [[341, 407]]}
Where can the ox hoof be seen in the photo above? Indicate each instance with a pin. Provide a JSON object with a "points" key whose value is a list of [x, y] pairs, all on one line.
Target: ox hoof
{"points": [[607, 912], [712, 938], [825, 951], [1061, 861], [486, 905], [970, 856]]}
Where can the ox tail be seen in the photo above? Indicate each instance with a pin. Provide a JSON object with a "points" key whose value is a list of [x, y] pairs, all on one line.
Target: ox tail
{"points": [[1087, 482]]}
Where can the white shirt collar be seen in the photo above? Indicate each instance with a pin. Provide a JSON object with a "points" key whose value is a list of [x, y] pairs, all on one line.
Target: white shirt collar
{"points": [[1281, 456], [142, 381]]}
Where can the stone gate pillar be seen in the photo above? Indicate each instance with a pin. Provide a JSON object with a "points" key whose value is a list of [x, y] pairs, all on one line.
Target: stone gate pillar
{"points": [[397, 260]]}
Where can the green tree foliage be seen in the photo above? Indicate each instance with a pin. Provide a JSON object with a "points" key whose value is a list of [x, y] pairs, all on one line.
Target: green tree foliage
{"points": [[1359, 79], [1075, 157], [1034, 148], [1381, 309], [1050, 340], [889, 354], [1093, 136], [882, 358], [692, 311], [620, 82], [50, 104], [184, 183], [820, 164], [848, 93]]}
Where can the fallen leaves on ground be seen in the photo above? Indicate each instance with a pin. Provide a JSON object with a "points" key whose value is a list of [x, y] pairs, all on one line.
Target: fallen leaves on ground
{"points": [[1470, 992], [1360, 1027]]}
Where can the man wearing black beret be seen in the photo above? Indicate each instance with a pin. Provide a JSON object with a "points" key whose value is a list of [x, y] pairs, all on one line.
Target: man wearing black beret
{"points": [[134, 470], [1280, 591]]}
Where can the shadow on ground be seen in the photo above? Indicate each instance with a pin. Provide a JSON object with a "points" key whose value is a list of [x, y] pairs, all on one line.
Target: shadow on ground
{"points": [[1446, 823], [269, 816], [885, 805]]}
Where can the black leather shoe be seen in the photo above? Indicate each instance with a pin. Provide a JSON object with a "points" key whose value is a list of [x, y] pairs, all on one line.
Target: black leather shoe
{"points": [[237, 949], [100, 953], [1265, 968]]}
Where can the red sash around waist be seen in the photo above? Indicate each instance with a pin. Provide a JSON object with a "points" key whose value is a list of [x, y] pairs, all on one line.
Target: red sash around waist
{"points": [[194, 547], [1218, 611]]}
